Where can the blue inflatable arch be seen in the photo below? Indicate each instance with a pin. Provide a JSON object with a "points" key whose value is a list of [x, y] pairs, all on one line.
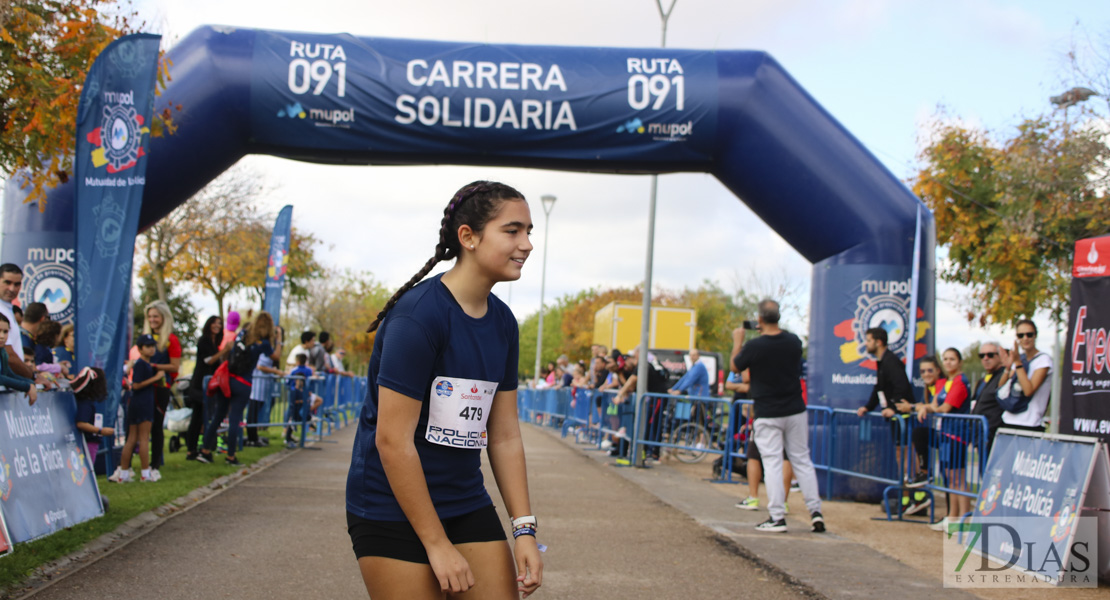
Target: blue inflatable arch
{"points": [[736, 114]]}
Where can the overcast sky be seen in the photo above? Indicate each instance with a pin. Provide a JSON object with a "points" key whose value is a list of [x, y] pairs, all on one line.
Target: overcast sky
{"points": [[880, 67]]}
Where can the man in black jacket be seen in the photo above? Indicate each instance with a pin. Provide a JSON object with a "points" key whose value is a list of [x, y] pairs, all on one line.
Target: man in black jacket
{"points": [[986, 395], [894, 395]]}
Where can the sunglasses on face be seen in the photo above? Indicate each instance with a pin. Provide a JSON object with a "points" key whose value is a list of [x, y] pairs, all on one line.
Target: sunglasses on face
{"points": [[988, 354], [1028, 334], [928, 370]]}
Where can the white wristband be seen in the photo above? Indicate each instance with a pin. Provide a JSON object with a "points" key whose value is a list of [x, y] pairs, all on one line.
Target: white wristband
{"points": [[522, 521]]}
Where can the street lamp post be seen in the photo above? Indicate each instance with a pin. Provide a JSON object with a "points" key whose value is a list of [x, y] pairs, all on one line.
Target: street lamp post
{"points": [[1072, 97], [548, 203]]}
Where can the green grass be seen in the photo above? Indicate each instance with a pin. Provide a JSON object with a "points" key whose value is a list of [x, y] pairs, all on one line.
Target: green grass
{"points": [[179, 477]]}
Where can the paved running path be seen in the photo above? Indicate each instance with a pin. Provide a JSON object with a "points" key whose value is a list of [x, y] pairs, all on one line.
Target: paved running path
{"points": [[282, 534]]}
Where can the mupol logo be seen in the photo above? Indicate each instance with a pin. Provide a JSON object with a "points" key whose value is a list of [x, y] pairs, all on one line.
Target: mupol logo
{"points": [[292, 111], [321, 117], [50, 283], [444, 388], [631, 126]]}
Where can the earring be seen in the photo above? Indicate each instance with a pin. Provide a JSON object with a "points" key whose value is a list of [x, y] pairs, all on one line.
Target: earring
{"points": [[472, 246]]}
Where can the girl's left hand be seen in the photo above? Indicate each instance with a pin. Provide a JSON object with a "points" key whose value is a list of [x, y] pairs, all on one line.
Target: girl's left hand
{"points": [[529, 565]]}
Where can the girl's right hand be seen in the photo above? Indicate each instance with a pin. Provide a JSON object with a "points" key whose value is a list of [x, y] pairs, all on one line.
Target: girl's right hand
{"points": [[32, 395], [450, 568]]}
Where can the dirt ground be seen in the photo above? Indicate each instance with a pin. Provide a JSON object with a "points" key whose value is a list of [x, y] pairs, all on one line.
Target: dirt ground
{"points": [[911, 543]]}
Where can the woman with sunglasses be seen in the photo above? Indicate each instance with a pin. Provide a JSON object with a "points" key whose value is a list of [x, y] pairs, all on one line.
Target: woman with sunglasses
{"points": [[1024, 389], [951, 438]]}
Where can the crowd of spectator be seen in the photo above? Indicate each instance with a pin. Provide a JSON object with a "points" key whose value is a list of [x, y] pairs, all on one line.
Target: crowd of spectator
{"points": [[39, 352], [1013, 393]]}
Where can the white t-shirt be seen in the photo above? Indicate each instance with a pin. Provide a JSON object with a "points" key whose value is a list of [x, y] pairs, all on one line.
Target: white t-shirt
{"points": [[14, 339], [298, 349], [1034, 415]]}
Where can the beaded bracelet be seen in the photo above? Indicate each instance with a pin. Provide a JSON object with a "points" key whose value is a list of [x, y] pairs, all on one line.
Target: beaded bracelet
{"points": [[519, 531]]}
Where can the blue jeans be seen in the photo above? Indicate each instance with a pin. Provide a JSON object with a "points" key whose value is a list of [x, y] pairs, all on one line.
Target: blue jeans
{"points": [[232, 408]]}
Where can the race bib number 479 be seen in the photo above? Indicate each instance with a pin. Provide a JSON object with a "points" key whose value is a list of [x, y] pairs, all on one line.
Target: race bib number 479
{"points": [[459, 412]]}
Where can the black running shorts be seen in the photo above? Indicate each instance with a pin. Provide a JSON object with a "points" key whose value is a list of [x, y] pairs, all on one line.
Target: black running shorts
{"points": [[397, 539]]}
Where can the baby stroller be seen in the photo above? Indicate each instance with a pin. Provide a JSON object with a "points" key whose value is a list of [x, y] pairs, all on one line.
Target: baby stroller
{"points": [[179, 416]]}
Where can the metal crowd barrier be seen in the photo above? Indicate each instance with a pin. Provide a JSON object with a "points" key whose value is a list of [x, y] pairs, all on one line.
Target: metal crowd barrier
{"points": [[339, 396], [871, 448], [956, 450], [741, 435], [688, 427], [866, 450]]}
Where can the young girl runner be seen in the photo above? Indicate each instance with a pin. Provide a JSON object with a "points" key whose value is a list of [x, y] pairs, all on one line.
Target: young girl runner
{"points": [[443, 381], [140, 413]]}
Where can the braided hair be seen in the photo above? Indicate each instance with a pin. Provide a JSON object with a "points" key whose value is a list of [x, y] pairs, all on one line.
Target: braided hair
{"points": [[473, 205]]}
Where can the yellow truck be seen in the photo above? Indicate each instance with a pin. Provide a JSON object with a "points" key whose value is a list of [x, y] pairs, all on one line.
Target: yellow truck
{"points": [[617, 325]]}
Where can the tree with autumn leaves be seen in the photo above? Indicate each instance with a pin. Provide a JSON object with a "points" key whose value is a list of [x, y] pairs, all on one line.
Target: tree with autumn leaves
{"points": [[46, 49], [1009, 208], [569, 321], [1010, 204], [218, 242]]}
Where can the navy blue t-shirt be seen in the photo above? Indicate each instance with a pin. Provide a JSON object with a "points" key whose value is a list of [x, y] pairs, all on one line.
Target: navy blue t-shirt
{"points": [[428, 338], [86, 413], [140, 372]]}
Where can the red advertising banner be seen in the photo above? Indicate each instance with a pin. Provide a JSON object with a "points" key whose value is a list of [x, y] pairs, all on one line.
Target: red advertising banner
{"points": [[1092, 257]]}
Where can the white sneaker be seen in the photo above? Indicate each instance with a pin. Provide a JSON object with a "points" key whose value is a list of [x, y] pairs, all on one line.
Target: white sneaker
{"points": [[126, 476], [606, 444], [941, 525], [116, 475], [155, 475]]}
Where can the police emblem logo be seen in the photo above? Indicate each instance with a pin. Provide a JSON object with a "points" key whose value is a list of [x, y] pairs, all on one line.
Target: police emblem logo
{"points": [[51, 284], [444, 388]]}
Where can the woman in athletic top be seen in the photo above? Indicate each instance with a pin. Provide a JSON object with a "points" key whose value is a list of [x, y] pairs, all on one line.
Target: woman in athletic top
{"points": [[443, 379]]}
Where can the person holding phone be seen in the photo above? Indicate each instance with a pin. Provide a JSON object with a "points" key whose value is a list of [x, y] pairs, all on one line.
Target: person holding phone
{"points": [[1022, 391]]}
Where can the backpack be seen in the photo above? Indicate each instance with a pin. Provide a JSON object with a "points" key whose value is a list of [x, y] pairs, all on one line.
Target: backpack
{"points": [[239, 361]]}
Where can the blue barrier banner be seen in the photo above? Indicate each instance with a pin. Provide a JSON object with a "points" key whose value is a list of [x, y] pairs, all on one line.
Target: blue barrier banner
{"points": [[113, 121], [341, 92], [858, 298], [46, 481], [1026, 477], [275, 264]]}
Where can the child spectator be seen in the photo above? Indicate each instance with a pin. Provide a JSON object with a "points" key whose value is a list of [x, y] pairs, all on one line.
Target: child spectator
{"points": [[8, 378], [90, 387], [45, 340], [140, 413], [296, 383], [63, 349]]}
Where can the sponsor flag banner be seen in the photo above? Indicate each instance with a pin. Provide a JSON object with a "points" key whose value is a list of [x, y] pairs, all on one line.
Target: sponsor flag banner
{"points": [[46, 480], [340, 92], [276, 263], [1026, 515], [113, 120], [862, 297], [1085, 390]]}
